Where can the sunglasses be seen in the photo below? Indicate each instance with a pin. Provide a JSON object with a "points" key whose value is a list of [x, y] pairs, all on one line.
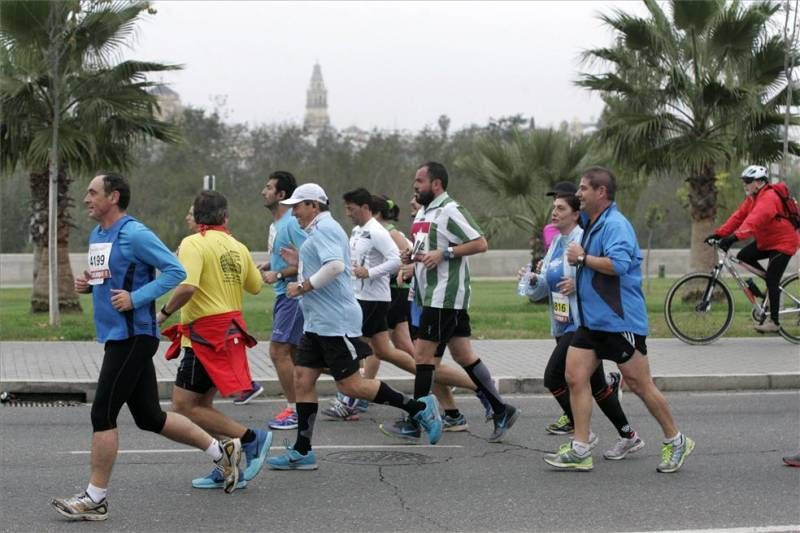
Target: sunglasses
{"points": [[748, 181]]}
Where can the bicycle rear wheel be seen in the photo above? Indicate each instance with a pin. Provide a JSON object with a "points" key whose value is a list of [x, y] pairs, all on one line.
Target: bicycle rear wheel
{"points": [[789, 310], [693, 320]]}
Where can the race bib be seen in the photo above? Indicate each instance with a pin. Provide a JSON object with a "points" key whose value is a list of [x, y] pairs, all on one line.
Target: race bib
{"points": [[99, 255], [560, 306]]}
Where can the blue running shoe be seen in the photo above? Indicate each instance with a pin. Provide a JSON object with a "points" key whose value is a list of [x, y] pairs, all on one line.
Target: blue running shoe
{"points": [[293, 460], [430, 419], [362, 406], [248, 395], [503, 423], [286, 419], [216, 480], [255, 452], [403, 428]]}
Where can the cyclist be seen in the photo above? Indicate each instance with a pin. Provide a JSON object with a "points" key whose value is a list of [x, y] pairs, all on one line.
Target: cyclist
{"points": [[761, 216]]}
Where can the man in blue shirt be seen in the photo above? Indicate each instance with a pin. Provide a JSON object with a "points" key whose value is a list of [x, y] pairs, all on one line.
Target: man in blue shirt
{"points": [[123, 257], [331, 331], [613, 320], [287, 317]]}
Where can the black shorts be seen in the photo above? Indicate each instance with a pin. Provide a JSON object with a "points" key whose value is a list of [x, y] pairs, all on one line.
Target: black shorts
{"points": [[374, 317], [192, 375], [617, 347], [339, 354], [441, 325], [398, 309]]}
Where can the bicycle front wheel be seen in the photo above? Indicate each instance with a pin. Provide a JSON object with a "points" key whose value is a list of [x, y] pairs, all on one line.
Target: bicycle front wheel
{"points": [[696, 320], [789, 310]]}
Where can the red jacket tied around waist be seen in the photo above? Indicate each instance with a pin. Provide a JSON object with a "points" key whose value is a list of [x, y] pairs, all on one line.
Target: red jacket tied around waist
{"points": [[762, 216], [220, 342]]}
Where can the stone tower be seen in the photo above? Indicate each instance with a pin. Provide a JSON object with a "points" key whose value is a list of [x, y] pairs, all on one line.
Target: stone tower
{"points": [[316, 118]]}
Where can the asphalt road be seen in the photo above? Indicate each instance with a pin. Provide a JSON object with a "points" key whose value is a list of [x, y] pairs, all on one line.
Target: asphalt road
{"points": [[734, 479]]}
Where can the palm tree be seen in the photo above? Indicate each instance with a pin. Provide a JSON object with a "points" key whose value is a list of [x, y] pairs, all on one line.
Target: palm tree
{"points": [[68, 107], [520, 170], [691, 91]]}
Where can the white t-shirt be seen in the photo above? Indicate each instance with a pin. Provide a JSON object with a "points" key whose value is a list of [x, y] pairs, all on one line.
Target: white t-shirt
{"points": [[372, 247]]}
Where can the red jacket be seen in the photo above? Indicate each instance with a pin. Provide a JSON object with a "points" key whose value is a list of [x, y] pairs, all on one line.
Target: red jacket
{"points": [[761, 217], [220, 342]]}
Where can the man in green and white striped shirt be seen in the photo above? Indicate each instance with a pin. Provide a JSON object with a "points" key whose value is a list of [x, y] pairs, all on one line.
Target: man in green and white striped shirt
{"points": [[444, 235]]}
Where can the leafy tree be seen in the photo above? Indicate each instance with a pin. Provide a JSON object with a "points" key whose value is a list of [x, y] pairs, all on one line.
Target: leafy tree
{"points": [[68, 108], [691, 91]]}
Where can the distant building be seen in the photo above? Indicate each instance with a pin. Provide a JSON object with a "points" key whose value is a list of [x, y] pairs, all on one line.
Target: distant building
{"points": [[168, 100], [316, 119]]}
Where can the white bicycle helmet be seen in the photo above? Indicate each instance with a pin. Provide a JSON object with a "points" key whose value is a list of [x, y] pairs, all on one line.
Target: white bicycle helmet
{"points": [[756, 172]]}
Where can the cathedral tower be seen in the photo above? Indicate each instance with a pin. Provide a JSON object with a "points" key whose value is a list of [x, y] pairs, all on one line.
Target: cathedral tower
{"points": [[316, 118]]}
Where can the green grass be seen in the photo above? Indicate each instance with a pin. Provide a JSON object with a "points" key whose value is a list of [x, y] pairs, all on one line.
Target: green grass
{"points": [[496, 312]]}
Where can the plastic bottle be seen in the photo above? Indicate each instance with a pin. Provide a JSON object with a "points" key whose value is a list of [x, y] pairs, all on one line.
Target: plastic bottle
{"points": [[524, 281]]}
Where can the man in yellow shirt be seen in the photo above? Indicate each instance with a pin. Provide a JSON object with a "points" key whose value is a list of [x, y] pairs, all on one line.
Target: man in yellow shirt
{"points": [[212, 331]]}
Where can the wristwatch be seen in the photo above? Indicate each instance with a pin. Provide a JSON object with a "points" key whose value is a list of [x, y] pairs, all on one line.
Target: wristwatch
{"points": [[279, 274], [449, 253], [581, 260], [164, 310]]}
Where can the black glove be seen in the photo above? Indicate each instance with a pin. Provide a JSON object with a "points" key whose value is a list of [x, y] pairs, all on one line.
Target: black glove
{"points": [[711, 239], [726, 242]]}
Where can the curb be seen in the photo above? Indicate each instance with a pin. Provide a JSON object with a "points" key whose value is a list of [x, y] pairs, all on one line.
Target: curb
{"points": [[506, 385]]}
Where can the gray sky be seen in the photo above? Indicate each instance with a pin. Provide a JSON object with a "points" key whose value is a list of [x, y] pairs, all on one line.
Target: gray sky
{"points": [[385, 64]]}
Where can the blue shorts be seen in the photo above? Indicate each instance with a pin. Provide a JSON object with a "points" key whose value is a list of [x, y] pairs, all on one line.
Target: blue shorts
{"points": [[287, 320]]}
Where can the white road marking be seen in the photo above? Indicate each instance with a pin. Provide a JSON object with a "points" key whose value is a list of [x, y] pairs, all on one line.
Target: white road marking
{"points": [[758, 529], [323, 447]]}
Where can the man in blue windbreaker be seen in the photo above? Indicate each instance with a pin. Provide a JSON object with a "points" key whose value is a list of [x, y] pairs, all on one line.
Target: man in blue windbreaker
{"points": [[121, 276], [614, 322]]}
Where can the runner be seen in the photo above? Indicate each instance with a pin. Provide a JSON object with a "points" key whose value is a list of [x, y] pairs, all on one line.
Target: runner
{"points": [[557, 284], [123, 257], [613, 320], [287, 317], [212, 331], [444, 234], [332, 329], [376, 258]]}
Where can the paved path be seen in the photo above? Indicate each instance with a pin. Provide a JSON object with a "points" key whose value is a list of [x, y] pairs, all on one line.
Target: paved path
{"points": [[728, 364]]}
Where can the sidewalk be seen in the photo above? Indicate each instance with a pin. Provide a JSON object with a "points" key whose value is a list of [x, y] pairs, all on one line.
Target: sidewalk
{"points": [[755, 363]]}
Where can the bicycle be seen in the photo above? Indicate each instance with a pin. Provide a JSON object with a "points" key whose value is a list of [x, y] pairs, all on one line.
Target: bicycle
{"points": [[699, 307]]}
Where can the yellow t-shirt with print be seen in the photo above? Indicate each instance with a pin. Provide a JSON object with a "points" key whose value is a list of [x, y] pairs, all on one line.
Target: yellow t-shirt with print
{"points": [[221, 268]]}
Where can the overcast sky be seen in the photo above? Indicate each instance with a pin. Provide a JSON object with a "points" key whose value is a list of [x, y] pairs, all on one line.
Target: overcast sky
{"points": [[385, 64]]}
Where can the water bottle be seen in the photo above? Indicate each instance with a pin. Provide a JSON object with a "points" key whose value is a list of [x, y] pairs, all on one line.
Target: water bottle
{"points": [[524, 281]]}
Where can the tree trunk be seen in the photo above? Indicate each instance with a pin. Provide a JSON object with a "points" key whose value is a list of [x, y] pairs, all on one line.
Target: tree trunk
{"points": [[703, 210], [68, 300]]}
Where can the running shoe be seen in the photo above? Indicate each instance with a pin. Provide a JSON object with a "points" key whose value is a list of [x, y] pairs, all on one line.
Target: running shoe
{"points": [[487, 406], [286, 419], [623, 447], [216, 480], [455, 423], [81, 507], [792, 460], [402, 428], [248, 395], [430, 419], [767, 327], [503, 422], [361, 405], [338, 410], [562, 426], [255, 452], [230, 463], [673, 455], [293, 460], [568, 459], [616, 383]]}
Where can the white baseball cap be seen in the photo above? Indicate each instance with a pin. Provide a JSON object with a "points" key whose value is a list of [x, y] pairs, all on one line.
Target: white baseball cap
{"points": [[307, 191]]}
